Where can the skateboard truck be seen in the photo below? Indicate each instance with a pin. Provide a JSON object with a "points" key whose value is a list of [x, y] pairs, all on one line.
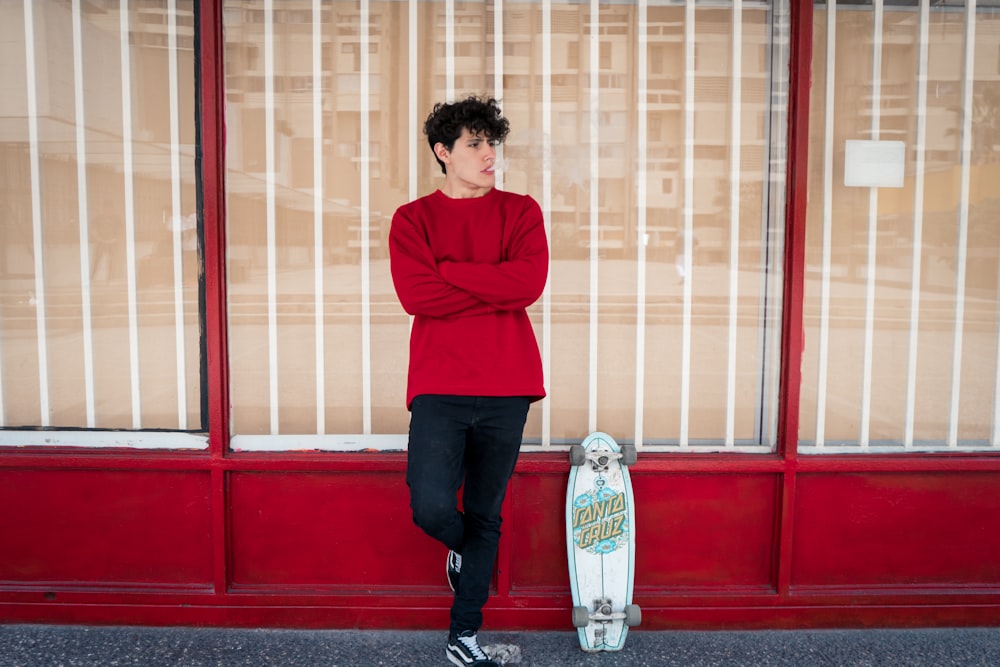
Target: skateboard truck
{"points": [[600, 460], [605, 613]]}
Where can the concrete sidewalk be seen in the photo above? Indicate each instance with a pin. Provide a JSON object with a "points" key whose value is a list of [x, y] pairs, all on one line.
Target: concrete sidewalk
{"points": [[78, 646]]}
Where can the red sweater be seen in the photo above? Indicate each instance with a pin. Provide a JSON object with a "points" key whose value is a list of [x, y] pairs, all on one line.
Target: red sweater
{"points": [[466, 269]]}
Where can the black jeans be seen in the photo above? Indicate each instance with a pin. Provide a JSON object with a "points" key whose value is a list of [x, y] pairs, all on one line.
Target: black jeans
{"points": [[470, 440]]}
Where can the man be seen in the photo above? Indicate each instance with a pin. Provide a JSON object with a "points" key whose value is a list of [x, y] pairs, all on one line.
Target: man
{"points": [[466, 261]]}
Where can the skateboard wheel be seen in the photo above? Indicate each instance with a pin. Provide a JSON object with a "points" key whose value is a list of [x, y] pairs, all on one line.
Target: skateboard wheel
{"points": [[577, 455], [629, 455], [633, 615], [581, 617]]}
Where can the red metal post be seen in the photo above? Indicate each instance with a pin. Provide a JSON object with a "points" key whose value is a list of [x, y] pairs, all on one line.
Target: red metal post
{"points": [[211, 123], [793, 333]]}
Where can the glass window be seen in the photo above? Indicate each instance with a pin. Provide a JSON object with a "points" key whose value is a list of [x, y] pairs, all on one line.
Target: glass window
{"points": [[901, 305], [99, 269], [661, 184]]}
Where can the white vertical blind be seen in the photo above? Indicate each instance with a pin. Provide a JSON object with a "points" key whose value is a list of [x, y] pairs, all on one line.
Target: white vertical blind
{"points": [[86, 323], [36, 216], [642, 236], [688, 234], [498, 80], [449, 51], [918, 224], [965, 163], [366, 289], [546, 204], [594, 138], [128, 171], [318, 211], [876, 113], [272, 239], [735, 178], [414, 144], [176, 213]]}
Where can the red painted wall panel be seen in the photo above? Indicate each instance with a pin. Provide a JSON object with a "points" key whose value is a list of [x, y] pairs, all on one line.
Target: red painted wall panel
{"points": [[327, 531], [705, 531], [535, 527], [897, 529], [105, 528]]}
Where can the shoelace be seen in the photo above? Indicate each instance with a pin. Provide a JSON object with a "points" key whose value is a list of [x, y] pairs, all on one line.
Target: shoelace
{"points": [[470, 643], [456, 561]]}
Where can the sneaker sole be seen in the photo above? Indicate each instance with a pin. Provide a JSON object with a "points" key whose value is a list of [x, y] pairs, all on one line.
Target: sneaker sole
{"points": [[458, 661]]}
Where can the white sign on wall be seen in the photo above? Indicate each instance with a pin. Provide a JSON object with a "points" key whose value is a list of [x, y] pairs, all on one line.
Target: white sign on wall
{"points": [[874, 164]]}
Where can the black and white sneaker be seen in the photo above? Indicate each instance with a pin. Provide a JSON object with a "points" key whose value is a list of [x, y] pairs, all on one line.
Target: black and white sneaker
{"points": [[454, 567], [464, 651]]}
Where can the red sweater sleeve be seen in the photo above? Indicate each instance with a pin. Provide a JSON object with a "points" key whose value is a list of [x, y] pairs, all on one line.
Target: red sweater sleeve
{"points": [[518, 280], [419, 285]]}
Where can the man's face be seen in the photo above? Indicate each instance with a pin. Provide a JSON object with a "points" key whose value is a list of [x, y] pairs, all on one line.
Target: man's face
{"points": [[470, 164]]}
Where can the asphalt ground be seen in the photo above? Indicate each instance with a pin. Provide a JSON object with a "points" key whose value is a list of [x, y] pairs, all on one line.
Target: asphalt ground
{"points": [[79, 646]]}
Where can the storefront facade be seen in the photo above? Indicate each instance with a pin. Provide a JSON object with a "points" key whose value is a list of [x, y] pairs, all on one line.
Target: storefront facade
{"points": [[775, 269]]}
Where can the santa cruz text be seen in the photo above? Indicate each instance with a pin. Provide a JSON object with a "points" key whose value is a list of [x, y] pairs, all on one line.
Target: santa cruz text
{"points": [[601, 520]]}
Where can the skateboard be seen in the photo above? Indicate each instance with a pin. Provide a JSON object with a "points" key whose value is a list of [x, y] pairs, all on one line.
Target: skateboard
{"points": [[600, 542]]}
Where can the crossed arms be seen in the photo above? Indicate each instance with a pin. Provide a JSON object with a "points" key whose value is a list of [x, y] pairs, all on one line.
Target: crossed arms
{"points": [[455, 288]]}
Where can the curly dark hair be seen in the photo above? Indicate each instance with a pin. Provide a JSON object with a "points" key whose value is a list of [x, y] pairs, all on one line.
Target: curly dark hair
{"points": [[478, 115]]}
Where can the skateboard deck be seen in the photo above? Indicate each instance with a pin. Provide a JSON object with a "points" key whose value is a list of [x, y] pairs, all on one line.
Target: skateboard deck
{"points": [[600, 542]]}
